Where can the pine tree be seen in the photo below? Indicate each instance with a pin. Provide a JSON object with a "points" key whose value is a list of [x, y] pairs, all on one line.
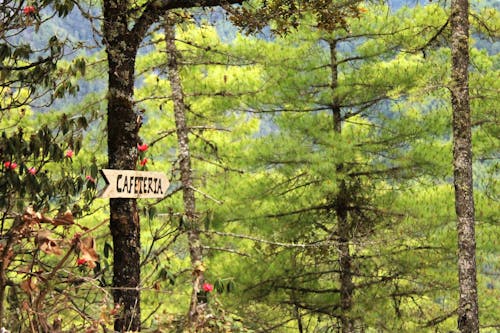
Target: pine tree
{"points": [[212, 78], [379, 151]]}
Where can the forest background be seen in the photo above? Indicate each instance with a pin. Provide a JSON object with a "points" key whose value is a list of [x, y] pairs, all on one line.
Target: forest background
{"points": [[310, 167]]}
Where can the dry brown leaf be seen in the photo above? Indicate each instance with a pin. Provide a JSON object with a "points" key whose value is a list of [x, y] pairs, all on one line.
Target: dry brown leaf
{"points": [[29, 285], [30, 217], [45, 219], [88, 252], [46, 243], [29, 213], [65, 218]]}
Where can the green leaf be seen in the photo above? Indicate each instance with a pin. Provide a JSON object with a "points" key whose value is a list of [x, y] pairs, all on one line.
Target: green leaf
{"points": [[219, 286], [107, 249]]}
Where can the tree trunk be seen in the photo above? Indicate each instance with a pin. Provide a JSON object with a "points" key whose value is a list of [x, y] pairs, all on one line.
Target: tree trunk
{"points": [[122, 37], [5, 258], [468, 317], [341, 206], [123, 128], [191, 223]]}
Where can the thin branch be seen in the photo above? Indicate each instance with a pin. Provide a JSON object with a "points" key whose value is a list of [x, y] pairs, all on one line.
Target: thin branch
{"points": [[223, 249], [281, 244], [223, 167], [206, 195], [440, 319], [162, 136]]}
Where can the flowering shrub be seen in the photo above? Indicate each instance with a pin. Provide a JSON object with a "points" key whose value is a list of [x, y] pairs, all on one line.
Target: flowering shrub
{"points": [[81, 261], [207, 287], [143, 147], [90, 178], [69, 153], [10, 165], [29, 10], [36, 251], [37, 276]]}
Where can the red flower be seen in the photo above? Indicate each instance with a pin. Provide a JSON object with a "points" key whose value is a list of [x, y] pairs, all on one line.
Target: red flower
{"points": [[90, 178], [81, 261], [142, 147], [69, 153], [207, 287], [143, 162], [10, 165], [32, 171], [29, 10]]}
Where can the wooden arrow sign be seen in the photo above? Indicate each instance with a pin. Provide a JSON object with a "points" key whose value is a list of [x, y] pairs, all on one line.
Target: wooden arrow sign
{"points": [[133, 184]]}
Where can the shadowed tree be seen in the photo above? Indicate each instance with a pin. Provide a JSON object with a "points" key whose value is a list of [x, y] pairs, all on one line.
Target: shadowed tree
{"points": [[124, 29]]}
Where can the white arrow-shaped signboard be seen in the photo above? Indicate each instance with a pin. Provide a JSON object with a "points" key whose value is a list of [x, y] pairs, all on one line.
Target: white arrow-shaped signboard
{"points": [[134, 184]]}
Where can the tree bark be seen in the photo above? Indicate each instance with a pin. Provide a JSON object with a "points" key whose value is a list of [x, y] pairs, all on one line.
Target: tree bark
{"points": [[123, 128], [341, 206], [11, 238], [468, 313], [191, 223], [122, 36]]}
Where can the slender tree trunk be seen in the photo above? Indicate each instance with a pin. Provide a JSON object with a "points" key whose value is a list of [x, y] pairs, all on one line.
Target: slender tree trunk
{"points": [[3, 280], [123, 128], [468, 313], [3, 285], [197, 304], [296, 298], [298, 317], [5, 258], [341, 206], [345, 263]]}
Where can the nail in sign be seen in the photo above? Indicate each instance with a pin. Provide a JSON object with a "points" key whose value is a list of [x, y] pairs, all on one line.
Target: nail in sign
{"points": [[134, 184]]}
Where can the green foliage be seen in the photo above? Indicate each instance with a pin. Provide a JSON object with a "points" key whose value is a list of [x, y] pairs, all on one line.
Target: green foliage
{"points": [[42, 174], [271, 173], [28, 64], [394, 146], [44, 185]]}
